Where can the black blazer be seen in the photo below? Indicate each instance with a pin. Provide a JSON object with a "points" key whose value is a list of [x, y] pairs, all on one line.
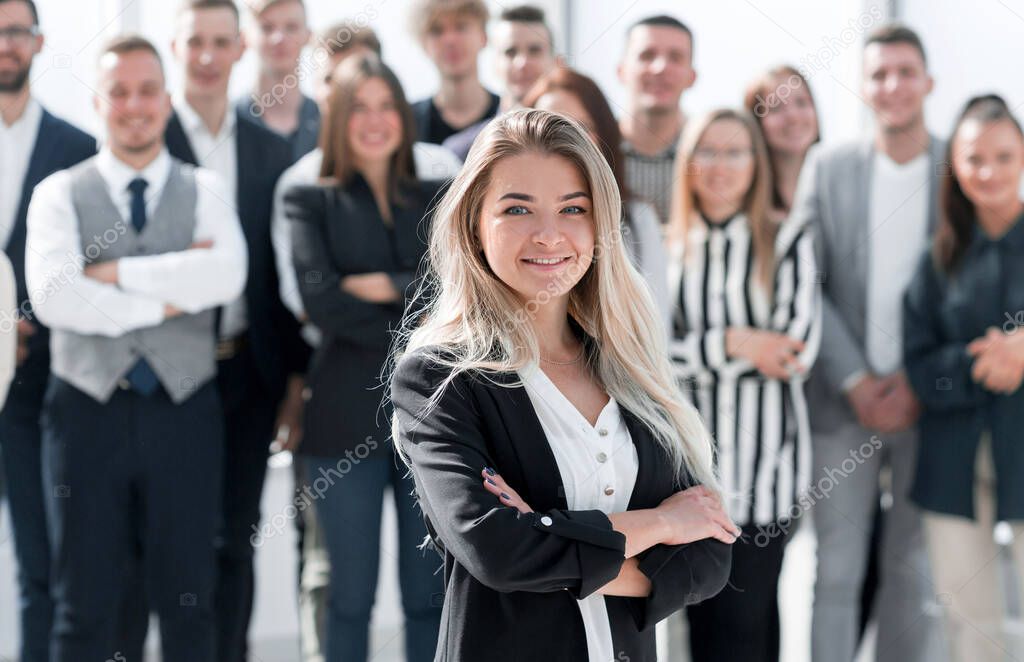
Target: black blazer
{"points": [[942, 314], [59, 146], [337, 232], [275, 344], [512, 580]]}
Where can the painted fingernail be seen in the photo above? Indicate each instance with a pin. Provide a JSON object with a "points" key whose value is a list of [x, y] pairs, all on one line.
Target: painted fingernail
{"points": [[505, 496], [491, 482], [490, 472]]}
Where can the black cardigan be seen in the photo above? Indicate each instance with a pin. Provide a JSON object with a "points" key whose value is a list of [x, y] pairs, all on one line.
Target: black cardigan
{"points": [[942, 314], [338, 231], [512, 580]]}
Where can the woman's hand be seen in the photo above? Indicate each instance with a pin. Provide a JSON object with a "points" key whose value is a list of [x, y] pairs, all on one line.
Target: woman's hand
{"points": [[374, 287], [773, 354], [695, 514], [497, 486], [998, 360]]}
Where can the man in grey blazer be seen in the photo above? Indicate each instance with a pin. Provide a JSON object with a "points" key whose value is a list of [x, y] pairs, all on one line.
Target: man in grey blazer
{"points": [[873, 204]]}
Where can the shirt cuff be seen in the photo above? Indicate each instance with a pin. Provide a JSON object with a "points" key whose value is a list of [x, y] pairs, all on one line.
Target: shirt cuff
{"points": [[851, 381]]}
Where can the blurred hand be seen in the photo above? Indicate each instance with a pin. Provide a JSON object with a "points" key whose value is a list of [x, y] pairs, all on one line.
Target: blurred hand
{"points": [[25, 330], [289, 416], [998, 360], [374, 287], [898, 408], [773, 354], [104, 272]]}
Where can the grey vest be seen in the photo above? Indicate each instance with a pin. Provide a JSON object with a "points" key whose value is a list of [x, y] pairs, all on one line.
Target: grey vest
{"points": [[180, 350]]}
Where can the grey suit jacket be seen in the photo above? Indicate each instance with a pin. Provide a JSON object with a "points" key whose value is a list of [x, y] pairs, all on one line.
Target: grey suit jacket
{"points": [[834, 196]]}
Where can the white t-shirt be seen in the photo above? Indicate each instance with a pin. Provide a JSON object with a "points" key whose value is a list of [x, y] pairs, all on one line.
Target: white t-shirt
{"points": [[898, 231]]}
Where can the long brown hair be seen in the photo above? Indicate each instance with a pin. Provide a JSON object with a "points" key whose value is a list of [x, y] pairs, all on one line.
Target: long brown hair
{"points": [[338, 166], [609, 137], [761, 94], [957, 213], [756, 206]]}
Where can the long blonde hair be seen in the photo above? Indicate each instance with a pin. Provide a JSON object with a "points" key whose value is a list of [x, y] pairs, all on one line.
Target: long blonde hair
{"points": [[482, 325], [685, 211]]}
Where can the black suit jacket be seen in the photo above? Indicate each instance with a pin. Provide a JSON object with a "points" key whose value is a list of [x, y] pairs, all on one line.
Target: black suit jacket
{"points": [[512, 580], [59, 145], [338, 231], [276, 347]]}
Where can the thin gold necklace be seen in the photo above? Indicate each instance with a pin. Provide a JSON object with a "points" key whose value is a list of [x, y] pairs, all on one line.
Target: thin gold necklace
{"points": [[578, 357]]}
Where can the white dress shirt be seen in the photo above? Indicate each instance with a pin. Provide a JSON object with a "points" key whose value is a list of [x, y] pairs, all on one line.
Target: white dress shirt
{"points": [[219, 153], [8, 326], [898, 227], [16, 144], [190, 280], [598, 465], [435, 161]]}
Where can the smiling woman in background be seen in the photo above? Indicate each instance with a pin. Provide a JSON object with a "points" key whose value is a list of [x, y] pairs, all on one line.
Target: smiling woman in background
{"points": [[747, 325], [565, 481], [964, 352], [357, 241]]}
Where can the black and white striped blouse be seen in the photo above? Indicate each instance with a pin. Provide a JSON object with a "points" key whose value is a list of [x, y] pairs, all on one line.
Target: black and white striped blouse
{"points": [[760, 425]]}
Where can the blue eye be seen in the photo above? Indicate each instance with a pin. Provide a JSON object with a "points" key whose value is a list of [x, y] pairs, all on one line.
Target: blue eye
{"points": [[575, 209], [517, 210]]}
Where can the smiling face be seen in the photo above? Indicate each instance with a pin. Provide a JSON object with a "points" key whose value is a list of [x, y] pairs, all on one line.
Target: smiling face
{"points": [[522, 55], [279, 35], [791, 126], [988, 161], [16, 52], [895, 84], [723, 165], [453, 41], [207, 44], [657, 67], [132, 101], [375, 124], [536, 225]]}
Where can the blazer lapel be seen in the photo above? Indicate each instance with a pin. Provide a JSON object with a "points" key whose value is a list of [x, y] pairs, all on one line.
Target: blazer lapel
{"points": [[177, 141], [248, 159], [654, 470], [860, 182], [44, 153], [937, 154], [537, 462]]}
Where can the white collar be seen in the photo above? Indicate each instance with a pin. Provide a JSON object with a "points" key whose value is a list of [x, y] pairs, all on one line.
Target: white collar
{"points": [[119, 174], [192, 122], [30, 117]]}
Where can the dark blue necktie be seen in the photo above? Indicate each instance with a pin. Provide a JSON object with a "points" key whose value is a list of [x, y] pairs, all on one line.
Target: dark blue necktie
{"points": [[141, 376]]}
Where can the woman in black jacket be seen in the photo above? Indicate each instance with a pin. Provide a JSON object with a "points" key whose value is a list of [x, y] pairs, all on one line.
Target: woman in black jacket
{"points": [[357, 241], [964, 352], [564, 480]]}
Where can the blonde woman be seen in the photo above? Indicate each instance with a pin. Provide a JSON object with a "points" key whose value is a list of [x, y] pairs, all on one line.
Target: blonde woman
{"points": [[746, 331], [564, 480]]}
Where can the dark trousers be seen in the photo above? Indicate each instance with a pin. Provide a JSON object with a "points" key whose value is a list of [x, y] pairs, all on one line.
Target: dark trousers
{"points": [[741, 624], [249, 415], [22, 459], [349, 496], [134, 473]]}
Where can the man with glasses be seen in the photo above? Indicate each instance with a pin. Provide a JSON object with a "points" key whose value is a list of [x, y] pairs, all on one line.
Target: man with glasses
{"points": [[33, 145]]}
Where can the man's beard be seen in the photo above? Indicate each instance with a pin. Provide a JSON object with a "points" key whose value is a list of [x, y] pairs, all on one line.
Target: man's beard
{"points": [[14, 81]]}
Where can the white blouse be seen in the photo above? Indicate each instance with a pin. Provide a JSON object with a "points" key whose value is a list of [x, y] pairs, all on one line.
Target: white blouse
{"points": [[598, 466]]}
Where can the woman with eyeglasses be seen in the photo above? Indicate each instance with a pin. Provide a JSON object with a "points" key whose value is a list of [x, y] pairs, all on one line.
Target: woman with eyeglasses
{"points": [[746, 329]]}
